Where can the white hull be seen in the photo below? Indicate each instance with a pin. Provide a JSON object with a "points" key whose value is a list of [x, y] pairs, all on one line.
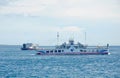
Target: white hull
{"points": [[74, 49]]}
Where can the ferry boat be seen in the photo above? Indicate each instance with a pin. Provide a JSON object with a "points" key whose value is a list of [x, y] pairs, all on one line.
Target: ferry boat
{"points": [[75, 49], [29, 46]]}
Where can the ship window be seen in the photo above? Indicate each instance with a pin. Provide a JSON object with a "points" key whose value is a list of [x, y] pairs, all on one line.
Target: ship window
{"points": [[72, 43], [81, 50], [68, 47], [51, 51], [59, 50], [55, 50], [84, 50], [47, 51], [76, 47], [71, 50], [97, 50], [62, 50]]}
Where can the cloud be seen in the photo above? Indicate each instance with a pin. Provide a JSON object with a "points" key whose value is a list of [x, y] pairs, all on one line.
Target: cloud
{"points": [[72, 29], [63, 8], [68, 29], [66, 32], [27, 7]]}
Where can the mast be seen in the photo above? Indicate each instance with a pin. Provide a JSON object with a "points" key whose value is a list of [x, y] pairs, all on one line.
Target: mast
{"points": [[57, 38], [85, 38], [107, 46]]}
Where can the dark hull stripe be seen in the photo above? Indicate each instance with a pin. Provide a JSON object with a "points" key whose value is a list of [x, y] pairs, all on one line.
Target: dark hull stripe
{"points": [[75, 53]]}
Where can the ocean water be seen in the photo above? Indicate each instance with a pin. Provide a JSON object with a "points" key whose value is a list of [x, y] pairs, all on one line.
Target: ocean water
{"points": [[15, 63]]}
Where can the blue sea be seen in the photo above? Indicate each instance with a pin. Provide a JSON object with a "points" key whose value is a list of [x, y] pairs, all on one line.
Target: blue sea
{"points": [[15, 63]]}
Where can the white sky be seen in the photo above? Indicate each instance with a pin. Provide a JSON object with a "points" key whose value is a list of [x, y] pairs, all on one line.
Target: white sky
{"points": [[38, 21]]}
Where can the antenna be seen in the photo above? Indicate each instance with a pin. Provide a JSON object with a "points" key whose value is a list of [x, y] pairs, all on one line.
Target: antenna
{"points": [[85, 38], [107, 46], [57, 38]]}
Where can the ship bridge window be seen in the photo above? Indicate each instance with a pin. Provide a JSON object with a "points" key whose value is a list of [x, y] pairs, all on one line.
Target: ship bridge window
{"points": [[68, 47], [76, 47]]}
